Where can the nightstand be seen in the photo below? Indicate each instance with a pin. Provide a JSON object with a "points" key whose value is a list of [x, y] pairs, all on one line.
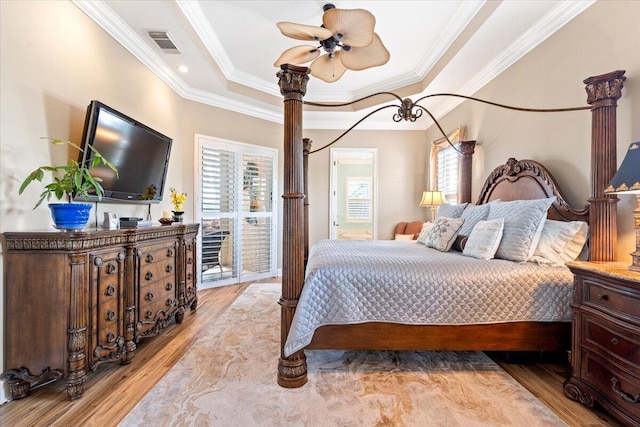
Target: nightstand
{"points": [[605, 348]]}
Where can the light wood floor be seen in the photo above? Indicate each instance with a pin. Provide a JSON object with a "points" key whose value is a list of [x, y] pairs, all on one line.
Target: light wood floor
{"points": [[112, 391]]}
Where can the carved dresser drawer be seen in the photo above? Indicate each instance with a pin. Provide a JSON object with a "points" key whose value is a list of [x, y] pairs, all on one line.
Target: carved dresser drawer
{"points": [[601, 296], [605, 351], [106, 337], [157, 300], [612, 340]]}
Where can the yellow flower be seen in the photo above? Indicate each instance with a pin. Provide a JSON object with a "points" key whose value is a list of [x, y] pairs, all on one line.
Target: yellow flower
{"points": [[177, 200]]}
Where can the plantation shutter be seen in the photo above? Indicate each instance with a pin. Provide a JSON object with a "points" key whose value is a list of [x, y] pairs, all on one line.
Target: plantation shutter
{"points": [[447, 173], [358, 199], [236, 183], [257, 200]]}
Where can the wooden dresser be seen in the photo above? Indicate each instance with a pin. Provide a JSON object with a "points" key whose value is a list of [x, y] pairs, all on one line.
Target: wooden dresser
{"points": [[76, 300], [605, 353]]}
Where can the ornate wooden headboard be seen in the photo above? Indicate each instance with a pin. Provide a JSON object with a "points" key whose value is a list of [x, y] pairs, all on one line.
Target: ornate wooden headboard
{"points": [[528, 179]]}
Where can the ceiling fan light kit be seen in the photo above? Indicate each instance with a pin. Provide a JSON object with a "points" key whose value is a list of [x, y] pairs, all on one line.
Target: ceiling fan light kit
{"points": [[347, 38]]}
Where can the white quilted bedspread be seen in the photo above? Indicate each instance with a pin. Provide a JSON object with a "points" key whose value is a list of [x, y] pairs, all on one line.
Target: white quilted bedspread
{"points": [[351, 281]]}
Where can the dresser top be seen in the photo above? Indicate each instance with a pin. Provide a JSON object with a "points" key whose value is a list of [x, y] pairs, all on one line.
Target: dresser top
{"points": [[90, 238], [617, 270]]}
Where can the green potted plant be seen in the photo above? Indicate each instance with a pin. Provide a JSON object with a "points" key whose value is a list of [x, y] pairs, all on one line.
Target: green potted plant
{"points": [[72, 180]]}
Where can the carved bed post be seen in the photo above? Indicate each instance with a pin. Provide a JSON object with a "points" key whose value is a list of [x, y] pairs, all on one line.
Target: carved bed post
{"points": [[292, 370], [306, 148], [603, 93], [464, 184]]}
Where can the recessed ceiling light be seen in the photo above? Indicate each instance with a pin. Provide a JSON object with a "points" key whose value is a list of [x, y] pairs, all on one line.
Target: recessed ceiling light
{"points": [[183, 69]]}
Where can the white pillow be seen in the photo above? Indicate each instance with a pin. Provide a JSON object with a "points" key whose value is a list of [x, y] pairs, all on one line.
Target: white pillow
{"points": [[484, 239], [523, 222], [443, 233], [560, 242], [450, 211], [472, 214], [404, 237], [426, 229]]}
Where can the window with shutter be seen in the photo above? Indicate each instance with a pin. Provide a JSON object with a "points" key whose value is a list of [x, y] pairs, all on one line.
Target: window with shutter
{"points": [[358, 199], [444, 165], [236, 211], [447, 178]]}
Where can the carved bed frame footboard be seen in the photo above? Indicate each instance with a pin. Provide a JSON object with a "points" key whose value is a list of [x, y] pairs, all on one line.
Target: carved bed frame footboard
{"points": [[602, 94]]}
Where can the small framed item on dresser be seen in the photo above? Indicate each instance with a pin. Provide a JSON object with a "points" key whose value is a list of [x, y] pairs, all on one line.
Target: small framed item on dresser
{"points": [[605, 349]]}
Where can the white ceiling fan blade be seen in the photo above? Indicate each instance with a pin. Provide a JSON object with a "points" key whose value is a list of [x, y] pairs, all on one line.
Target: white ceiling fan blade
{"points": [[298, 55], [303, 32], [327, 69], [356, 25], [361, 58]]}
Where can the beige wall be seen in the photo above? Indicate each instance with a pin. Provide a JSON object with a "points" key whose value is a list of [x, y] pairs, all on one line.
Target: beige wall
{"points": [[606, 37]]}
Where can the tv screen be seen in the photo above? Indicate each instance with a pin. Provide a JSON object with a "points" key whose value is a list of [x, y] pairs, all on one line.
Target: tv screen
{"points": [[140, 153]]}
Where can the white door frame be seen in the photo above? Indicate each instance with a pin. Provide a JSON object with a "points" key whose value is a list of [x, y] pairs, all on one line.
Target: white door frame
{"points": [[200, 141], [336, 153]]}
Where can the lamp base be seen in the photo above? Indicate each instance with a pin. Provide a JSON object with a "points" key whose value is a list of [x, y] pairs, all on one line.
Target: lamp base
{"points": [[635, 264], [635, 256]]}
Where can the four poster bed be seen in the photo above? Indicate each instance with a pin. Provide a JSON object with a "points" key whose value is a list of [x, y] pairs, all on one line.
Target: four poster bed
{"points": [[516, 180]]}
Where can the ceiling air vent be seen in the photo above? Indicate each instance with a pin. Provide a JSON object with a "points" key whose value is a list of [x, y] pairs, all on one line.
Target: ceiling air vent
{"points": [[163, 41]]}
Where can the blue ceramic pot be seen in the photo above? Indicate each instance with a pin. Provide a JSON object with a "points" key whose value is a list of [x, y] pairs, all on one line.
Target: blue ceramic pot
{"points": [[70, 216]]}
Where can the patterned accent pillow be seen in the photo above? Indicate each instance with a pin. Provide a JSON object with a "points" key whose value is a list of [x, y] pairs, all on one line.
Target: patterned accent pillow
{"points": [[443, 233], [523, 222], [450, 211], [473, 214], [484, 239], [560, 242], [426, 229]]}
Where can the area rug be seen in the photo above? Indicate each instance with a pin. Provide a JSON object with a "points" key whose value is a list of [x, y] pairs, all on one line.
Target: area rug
{"points": [[228, 378]]}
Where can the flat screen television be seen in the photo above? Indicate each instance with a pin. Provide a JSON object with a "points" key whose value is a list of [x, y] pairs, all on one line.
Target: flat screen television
{"points": [[140, 153]]}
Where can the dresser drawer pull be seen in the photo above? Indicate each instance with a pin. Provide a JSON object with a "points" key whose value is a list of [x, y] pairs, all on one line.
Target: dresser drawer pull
{"points": [[111, 315], [603, 297], [111, 268], [190, 261], [614, 341], [169, 286], [149, 258], [168, 269], [111, 337], [109, 291], [149, 296], [149, 275], [625, 396], [149, 314], [169, 252]]}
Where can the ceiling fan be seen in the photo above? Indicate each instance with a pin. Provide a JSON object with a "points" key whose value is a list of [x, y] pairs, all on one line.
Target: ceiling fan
{"points": [[347, 37]]}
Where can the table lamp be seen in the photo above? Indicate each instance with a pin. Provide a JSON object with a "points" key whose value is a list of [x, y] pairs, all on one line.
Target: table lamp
{"points": [[433, 199], [627, 181]]}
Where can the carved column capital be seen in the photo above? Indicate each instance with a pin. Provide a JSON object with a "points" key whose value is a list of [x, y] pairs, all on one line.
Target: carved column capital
{"points": [[306, 146], [467, 148], [606, 88], [293, 81]]}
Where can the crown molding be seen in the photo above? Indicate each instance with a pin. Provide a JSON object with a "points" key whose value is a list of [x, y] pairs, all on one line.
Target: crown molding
{"points": [[108, 20]]}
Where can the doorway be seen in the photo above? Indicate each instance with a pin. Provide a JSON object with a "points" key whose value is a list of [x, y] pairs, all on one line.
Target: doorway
{"points": [[353, 194], [236, 211]]}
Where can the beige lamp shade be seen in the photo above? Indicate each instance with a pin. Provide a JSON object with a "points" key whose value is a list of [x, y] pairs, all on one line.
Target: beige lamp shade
{"points": [[432, 198]]}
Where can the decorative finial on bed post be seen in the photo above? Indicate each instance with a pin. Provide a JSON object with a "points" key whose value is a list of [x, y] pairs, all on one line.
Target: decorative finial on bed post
{"points": [[603, 93], [292, 369]]}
